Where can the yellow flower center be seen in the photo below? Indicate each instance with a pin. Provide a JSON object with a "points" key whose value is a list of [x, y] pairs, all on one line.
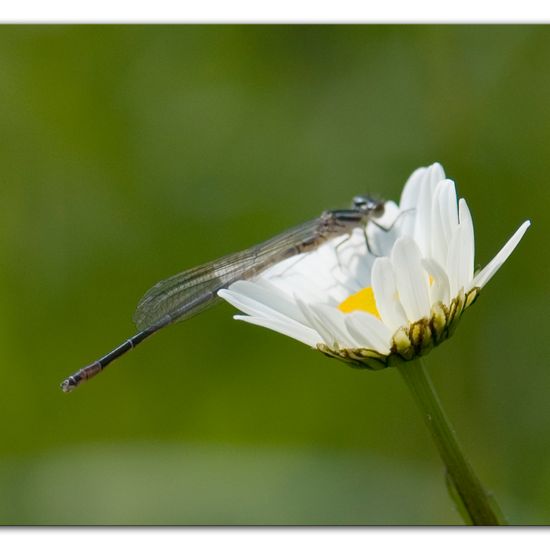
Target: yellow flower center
{"points": [[363, 300]]}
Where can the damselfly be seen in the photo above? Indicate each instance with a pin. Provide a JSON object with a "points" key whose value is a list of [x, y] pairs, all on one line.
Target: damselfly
{"points": [[192, 291]]}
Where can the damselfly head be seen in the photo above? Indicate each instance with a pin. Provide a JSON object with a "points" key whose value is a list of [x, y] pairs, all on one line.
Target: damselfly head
{"points": [[369, 205]]}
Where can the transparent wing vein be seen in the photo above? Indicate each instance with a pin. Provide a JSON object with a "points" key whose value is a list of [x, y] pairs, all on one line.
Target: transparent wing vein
{"points": [[189, 292]]}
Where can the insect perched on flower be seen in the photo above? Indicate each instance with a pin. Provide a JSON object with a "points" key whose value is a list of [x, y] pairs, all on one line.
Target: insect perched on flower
{"points": [[386, 295]]}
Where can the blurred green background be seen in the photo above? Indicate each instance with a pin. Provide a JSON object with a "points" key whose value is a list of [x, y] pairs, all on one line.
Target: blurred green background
{"points": [[129, 153]]}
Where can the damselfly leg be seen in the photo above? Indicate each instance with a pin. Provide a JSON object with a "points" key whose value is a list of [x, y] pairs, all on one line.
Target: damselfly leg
{"points": [[386, 229]]}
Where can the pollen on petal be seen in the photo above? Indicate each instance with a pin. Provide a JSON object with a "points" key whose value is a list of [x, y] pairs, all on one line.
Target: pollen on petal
{"points": [[363, 300]]}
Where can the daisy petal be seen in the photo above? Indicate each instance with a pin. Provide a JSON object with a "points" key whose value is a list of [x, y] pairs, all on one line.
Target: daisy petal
{"points": [[268, 294], [436, 175], [334, 320], [454, 261], [439, 289], [468, 243], [262, 313], [485, 275], [250, 306], [369, 331], [448, 208], [423, 230], [411, 278], [385, 294], [439, 234], [303, 334], [317, 324], [411, 191]]}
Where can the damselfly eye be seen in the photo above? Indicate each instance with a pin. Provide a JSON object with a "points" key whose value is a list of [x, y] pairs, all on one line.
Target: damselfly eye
{"points": [[360, 202], [373, 207]]}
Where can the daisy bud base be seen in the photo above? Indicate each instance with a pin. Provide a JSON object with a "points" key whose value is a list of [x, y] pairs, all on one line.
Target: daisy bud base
{"points": [[411, 341]]}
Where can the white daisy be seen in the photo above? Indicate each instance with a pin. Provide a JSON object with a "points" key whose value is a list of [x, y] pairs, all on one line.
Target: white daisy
{"points": [[387, 298]]}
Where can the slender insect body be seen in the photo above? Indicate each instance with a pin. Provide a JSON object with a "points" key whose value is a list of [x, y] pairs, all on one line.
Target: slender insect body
{"points": [[190, 292]]}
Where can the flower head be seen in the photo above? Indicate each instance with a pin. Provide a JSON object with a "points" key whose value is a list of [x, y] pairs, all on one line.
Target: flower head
{"points": [[388, 294]]}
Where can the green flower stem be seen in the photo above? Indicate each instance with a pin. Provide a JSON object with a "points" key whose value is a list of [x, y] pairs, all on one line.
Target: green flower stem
{"points": [[476, 506]]}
